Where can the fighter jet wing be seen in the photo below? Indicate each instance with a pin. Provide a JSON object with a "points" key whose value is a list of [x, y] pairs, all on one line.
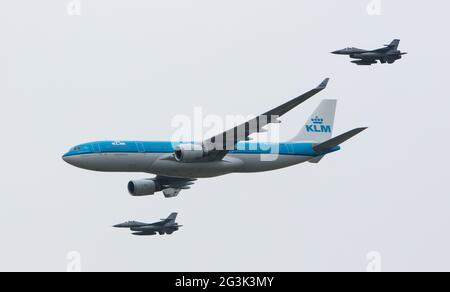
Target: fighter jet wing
{"points": [[219, 145], [172, 186]]}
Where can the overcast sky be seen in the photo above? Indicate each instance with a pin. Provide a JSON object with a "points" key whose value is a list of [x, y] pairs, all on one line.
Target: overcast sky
{"points": [[124, 69]]}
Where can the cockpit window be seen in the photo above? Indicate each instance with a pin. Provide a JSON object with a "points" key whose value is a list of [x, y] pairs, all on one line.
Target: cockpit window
{"points": [[80, 148]]}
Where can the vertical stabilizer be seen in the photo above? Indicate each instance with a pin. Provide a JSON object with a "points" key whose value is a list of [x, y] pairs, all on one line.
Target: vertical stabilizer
{"points": [[319, 127], [172, 217], [394, 45]]}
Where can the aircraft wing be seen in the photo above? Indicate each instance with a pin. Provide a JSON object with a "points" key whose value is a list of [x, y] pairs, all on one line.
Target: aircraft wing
{"points": [[219, 145], [172, 186]]}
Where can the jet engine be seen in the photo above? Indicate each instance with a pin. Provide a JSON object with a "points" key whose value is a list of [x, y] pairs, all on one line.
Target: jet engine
{"points": [[143, 187], [189, 152]]}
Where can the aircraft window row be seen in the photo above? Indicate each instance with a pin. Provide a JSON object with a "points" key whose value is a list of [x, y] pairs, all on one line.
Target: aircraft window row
{"points": [[118, 147]]}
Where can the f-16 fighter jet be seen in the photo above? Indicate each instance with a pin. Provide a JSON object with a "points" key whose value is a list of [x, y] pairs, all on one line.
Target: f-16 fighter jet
{"points": [[165, 226], [389, 54]]}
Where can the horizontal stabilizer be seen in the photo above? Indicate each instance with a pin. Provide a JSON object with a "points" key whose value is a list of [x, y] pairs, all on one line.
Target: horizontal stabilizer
{"points": [[336, 141]]}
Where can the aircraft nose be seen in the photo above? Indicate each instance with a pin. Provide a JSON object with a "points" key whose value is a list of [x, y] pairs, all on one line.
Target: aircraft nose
{"points": [[66, 158], [72, 160], [122, 225], [338, 52]]}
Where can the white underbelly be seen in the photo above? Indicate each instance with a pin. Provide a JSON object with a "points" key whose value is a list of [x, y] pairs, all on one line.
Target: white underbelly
{"points": [[164, 164], [232, 163], [267, 162], [170, 167]]}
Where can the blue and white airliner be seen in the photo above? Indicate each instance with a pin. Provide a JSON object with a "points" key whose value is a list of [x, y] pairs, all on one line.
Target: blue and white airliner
{"points": [[178, 165]]}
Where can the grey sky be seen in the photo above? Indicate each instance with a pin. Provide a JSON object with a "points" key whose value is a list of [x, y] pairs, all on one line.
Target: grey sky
{"points": [[124, 69]]}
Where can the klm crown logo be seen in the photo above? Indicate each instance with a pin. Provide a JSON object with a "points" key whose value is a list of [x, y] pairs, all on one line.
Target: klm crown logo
{"points": [[317, 121], [318, 126]]}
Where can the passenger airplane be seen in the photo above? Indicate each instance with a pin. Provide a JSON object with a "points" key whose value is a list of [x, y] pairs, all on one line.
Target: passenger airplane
{"points": [[178, 165]]}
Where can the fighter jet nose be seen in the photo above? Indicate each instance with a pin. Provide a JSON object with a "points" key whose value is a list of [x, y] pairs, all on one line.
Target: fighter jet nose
{"points": [[338, 52], [124, 225]]}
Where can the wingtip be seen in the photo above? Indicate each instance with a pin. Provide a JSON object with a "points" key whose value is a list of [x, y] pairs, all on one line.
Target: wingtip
{"points": [[324, 83], [362, 129]]}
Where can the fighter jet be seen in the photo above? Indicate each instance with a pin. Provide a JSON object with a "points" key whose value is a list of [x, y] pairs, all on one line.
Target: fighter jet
{"points": [[165, 226], [389, 54]]}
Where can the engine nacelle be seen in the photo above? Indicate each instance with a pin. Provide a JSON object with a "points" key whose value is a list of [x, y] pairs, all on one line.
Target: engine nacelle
{"points": [[189, 152], [143, 187]]}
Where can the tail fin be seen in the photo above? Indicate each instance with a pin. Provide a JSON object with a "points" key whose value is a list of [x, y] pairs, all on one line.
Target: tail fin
{"points": [[319, 127], [172, 217], [336, 141], [394, 45]]}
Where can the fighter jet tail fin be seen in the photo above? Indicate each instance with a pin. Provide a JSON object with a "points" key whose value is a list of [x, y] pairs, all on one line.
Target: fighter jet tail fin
{"points": [[319, 127], [172, 217], [394, 45]]}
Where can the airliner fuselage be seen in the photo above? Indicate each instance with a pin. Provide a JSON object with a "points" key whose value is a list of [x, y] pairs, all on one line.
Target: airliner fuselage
{"points": [[158, 158]]}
